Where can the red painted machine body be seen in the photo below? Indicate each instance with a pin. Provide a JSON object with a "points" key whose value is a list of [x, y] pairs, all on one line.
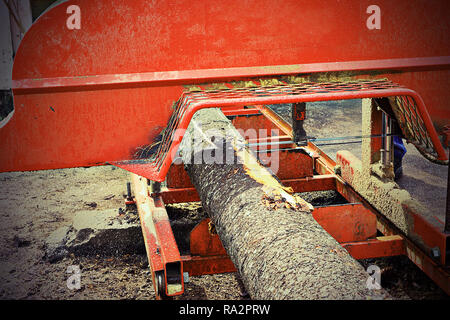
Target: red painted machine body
{"points": [[89, 96]]}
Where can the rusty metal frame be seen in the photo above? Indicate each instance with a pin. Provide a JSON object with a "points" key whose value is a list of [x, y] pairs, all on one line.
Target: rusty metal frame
{"points": [[163, 78], [378, 247], [438, 271], [207, 255], [162, 251]]}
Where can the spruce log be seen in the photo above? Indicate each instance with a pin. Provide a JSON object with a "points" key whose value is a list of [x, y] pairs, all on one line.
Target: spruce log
{"points": [[278, 248]]}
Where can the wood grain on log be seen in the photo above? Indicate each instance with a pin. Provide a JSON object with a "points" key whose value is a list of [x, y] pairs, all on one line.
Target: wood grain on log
{"points": [[280, 251]]}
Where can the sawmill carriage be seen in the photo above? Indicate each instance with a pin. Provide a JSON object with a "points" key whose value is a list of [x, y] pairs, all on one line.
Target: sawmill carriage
{"points": [[138, 75]]}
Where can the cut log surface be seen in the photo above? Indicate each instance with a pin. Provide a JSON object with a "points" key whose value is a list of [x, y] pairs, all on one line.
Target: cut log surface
{"points": [[278, 248]]}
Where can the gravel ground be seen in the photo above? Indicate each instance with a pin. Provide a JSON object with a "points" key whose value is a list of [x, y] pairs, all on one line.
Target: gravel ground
{"points": [[34, 204]]}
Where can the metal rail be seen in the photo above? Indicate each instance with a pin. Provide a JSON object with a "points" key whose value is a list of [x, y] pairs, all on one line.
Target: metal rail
{"points": [[322, 140], [163, 78]]}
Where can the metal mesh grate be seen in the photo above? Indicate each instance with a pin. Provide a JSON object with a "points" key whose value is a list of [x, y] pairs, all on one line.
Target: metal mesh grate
{"points": [[309, 88], [405, 110], [412, 125]]}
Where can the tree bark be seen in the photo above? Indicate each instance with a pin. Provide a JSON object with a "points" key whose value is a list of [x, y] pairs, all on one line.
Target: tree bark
{"points": [[278, 248]]}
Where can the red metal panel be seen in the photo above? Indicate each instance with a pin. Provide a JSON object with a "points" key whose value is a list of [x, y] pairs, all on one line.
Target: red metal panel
{"points": [[315, 183], [294, 164], [58, 130], [290, 165], [347, 223], [193, 34], [429, 235], [180, 195], [200, 265], [205, 243], [177, 177], [124, 68], [256, 122]]}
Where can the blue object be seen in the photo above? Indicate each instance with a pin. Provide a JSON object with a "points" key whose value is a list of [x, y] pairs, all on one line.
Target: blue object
{"points": [[399, 153]]}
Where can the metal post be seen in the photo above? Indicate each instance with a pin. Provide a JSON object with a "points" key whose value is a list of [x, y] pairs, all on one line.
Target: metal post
{"points": [[387, 149], [298, 116], [390, 140], [447, 212]]}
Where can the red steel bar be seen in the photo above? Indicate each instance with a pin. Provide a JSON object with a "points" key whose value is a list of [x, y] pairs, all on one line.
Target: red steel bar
{"points": [[144, 205], [164, 78], [168, 249], [240, 111], [200, 265], [162, 250], [276, 119], [308, 184], [376, 248]]}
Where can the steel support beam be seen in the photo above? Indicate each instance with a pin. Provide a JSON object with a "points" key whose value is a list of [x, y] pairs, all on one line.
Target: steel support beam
{"points": [[162, 251]]}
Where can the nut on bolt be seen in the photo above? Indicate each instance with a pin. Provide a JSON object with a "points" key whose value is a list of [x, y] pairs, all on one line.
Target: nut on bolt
{"points": [[337, 169], [436, 253]]}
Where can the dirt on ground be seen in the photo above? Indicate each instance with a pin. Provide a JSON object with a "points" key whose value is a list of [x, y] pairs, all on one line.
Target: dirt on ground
{"points": [[34, 204]]}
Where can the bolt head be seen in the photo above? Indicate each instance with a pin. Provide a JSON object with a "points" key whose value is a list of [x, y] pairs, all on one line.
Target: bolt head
{"points": [[435, 253]]}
